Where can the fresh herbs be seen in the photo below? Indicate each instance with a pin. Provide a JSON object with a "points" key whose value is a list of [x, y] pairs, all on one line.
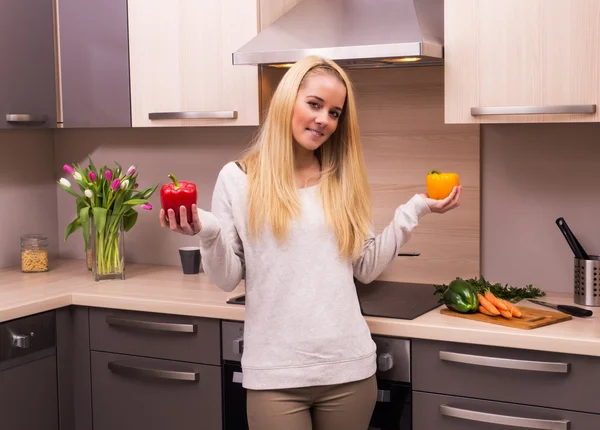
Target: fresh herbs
{"points": [[506, 292]]}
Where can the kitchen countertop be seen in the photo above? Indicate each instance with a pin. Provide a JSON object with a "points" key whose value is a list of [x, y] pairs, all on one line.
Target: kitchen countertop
{"points": [[165, 289]]}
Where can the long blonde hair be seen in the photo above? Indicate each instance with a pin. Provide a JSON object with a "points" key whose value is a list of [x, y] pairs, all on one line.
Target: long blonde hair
{"points": [[272, 193]]}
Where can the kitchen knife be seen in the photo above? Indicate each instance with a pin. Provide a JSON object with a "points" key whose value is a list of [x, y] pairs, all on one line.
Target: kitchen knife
{"points": [[567, 309]]}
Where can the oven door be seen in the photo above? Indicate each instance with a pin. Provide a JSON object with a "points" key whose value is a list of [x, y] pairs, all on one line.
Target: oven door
{"points": [[393, 410], [234, 397]]}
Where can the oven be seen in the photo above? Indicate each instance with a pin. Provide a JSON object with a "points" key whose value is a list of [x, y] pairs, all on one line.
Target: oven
{"points": [[393, 410]]}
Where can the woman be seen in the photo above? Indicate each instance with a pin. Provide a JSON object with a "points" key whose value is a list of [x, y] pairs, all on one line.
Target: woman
{"points": [[292, 218]]}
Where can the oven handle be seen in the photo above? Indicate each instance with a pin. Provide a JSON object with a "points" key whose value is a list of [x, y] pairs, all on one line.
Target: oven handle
{"points": [[238, 378], [384, 396]]}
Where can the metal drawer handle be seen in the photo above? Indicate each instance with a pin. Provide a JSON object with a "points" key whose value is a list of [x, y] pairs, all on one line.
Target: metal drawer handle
{"points": [[130, 370], [505, 363], [223, 114], [532, 110], [503, 420], [151, 325], [25, 118], [238, 377], [384, 396]]}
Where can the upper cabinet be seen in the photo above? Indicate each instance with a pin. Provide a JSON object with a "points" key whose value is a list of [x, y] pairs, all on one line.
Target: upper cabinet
{"points": [[94, 63], [181, 63], [27, 67], [522, 61]]}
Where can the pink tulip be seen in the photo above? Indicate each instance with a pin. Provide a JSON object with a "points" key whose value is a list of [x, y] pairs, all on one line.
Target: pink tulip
{"points": [[131, 171], [135, 185], [147, 206], [108, 175], [92, 176], [115, 184], [68, 169]]}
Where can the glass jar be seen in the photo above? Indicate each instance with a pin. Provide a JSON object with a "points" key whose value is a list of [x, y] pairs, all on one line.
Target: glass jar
{"points": [[34, 253]]}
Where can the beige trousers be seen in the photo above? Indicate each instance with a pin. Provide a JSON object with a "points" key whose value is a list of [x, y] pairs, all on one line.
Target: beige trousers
{"points": [[331, 407]]}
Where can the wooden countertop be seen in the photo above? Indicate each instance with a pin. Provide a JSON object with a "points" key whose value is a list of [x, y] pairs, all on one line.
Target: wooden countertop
{"points": [[165, 289]]}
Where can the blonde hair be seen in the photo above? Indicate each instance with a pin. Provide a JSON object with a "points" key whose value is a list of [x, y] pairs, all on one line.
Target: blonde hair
{"points": [[272, 193]]}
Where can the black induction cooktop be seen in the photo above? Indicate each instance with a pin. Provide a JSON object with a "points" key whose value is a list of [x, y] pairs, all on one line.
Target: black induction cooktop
{"points": [[401, 300]]}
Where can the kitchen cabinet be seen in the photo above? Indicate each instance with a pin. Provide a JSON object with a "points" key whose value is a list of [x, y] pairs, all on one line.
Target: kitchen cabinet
{"points": [[522, 61], [94, 63], [181, 63], [154, 371], [28, 382], [458, 386], [27, 68]]}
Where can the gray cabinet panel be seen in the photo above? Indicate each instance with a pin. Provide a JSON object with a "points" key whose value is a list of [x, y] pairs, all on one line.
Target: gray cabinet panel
{"points": [[94, 56], [27, 66], [73, 362], [132, 393], [172, 337], [28, 396], [543, 388], [427, 415]]}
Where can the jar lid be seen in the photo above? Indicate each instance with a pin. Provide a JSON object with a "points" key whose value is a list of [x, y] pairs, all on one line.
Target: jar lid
{"points": [[34, 240]]}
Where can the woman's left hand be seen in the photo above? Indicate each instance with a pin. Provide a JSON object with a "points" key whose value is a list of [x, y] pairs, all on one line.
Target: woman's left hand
{"points": [[449, 203]]}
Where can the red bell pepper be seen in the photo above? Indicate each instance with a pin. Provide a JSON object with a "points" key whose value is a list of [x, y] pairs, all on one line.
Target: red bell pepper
{"points": [[177, 194]]}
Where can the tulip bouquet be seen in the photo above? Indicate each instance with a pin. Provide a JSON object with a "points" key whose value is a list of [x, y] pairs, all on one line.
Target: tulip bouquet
{"points": [[105, 208]]}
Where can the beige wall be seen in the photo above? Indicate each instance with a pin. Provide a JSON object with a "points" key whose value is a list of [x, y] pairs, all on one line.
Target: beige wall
{"points": [[27, 191], [531, 175]]}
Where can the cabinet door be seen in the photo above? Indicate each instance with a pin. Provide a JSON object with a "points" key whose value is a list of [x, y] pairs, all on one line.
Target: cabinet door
{"points": [[27, 67], [181, 63], [94, 63], [134, 393], [28, 399], [523, 61]]}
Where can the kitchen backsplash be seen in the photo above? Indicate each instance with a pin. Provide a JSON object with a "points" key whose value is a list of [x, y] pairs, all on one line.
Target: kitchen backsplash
{"points": [[533, 174], [27, 191]]}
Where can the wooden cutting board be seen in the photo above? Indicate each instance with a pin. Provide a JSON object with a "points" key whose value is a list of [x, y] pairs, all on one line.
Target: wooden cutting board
{"points": [[532, 318]]}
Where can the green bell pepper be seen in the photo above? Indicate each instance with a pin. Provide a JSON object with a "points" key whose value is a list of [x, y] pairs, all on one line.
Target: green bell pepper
{"points": [[461, 297]]}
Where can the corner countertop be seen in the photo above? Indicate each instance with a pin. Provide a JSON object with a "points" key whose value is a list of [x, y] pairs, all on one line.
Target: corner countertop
{"points": [[164, 289]]}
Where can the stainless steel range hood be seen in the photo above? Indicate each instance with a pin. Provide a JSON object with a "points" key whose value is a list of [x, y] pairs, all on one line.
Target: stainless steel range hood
{"points": [[354, 33]]}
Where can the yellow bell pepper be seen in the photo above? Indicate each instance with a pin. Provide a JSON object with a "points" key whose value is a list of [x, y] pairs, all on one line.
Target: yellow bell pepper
{"points": [[440, 184]]}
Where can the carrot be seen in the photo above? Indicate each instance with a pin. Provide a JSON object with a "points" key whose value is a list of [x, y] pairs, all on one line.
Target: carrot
{"points": [[495, 301], [506, 314], [487, 305], [515, 312], [485, 311]]}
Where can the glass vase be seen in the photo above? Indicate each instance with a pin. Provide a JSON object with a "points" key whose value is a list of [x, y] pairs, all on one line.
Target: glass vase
{"points": [[107, 243]]}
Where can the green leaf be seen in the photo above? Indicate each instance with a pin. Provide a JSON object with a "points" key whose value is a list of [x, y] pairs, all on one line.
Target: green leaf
{"points": [[136, 202], [74, 226], [84, 219], [99, 218], [118, 203], [92, 167], [129, 219], [148, 192], [73, 193]]}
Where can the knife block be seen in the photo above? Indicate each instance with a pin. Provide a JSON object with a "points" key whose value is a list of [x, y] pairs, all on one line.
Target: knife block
{"points": [[587, 281]]}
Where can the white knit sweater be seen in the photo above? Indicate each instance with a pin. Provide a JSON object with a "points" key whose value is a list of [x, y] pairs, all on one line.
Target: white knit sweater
{"points": [[303, 324]]}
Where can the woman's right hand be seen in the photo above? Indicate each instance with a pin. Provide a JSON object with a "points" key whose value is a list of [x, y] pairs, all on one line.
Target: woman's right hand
{"points": [[169, 221]]}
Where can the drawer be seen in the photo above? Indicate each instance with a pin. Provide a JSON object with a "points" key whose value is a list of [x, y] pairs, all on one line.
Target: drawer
{"points": [[506, 374], [172, 337], [439, 412], [131, 393]]}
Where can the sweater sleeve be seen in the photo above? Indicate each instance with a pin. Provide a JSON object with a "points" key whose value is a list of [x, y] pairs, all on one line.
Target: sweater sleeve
{"points": [[220, 244], [379, 251]]}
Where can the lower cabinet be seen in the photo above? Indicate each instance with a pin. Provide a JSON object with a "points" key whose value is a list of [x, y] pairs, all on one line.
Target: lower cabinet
{"points": [[130, 393], [28, 397], [439, 412]]}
